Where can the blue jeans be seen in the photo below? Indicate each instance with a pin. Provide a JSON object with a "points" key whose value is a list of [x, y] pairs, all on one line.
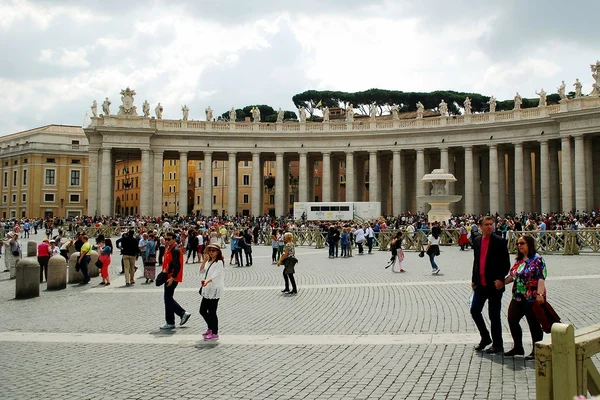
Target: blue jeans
{"points": [[172, 307], [494, 298], [432, 261], [331, 248]]}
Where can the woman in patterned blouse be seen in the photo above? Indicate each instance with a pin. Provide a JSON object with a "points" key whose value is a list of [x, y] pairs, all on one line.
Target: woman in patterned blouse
{"points": [[529, 276]]}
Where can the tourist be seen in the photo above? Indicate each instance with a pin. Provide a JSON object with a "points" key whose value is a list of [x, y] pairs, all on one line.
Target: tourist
{"points": [[200, 238], [359, 238], [331, 240], [105, 258], [289, 254], [274, 246], [12, 253], [491, 264], [161, 248], [54, 250], [528, 275], [150, 258], [248, 247], [212, 289], [396, 246], [280, 243], [173, 266], [84, 259], [130, 252], [370, 235], [463, 241], [191, 246], [345, 241], [43, 256]]}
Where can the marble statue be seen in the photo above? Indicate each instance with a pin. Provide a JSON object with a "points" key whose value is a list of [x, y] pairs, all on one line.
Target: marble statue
{"points": [[420, 110], [562, 90], [467, 105], [372, 112], [106, 107], [280, 115], [232, 115], [395, 110], [256, 114], [302, 114], [146, 109], [209, 114], [578, 88], [158, 111], [186, 112], [542, 94], [596, 75], [492, 104], [326, 114], [443, 108], [518, 101], [127, 108], [95, 109], [350, 113], [438, 188]]}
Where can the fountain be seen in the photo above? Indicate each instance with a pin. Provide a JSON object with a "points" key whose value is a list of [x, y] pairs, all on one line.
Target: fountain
{"points": [[439, 199]]}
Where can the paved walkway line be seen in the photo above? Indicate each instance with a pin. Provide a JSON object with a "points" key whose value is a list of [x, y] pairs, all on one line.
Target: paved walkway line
{"points": [[175, 338], [118, 286]]}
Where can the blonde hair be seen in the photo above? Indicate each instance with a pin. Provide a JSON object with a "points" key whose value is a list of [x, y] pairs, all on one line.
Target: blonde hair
{"points": [[288, 235]]}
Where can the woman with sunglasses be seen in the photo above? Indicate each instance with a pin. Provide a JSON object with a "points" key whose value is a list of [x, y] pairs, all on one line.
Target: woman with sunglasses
{"points": [[529, 276], [212, 289]]}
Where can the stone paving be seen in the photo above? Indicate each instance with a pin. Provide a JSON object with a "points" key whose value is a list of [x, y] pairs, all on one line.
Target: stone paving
{"points": [[354, 331]]}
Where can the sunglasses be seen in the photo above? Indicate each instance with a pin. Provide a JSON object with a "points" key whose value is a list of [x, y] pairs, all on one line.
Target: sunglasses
{"points": [[521, 243], [212, 250]]}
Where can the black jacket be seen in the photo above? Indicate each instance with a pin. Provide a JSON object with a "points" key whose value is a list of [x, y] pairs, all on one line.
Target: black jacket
{"points": [[497, 263], [129, 246]]}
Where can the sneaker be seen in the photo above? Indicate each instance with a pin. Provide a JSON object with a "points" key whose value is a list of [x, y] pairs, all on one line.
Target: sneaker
{"points": [[185, 318], [208, 332], [211, 336], [401, 270], [435, 271], [168, 326]]}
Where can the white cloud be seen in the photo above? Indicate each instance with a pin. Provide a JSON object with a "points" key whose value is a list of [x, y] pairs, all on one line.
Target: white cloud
{"points": [[65, 58]]}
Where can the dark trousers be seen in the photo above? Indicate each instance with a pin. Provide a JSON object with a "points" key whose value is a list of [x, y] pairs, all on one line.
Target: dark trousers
{"points": [[331, 248], [287, 279], [83, 265], [172, 307], [360, 247], [65, 254], [494, 299], [208, 310], [274, 255], [370, 244], [192, 251], [43, 261], [248, 257], [516, 311], [161, 254]]}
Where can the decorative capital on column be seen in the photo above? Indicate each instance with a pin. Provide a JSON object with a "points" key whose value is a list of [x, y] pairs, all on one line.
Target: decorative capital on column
{"points": [[372, 152], [468, 147], [326, 153], [280, 154], [208, 153], [183, 153], [349, 152], [394, 152], [232, 154], [106, 149], [493, 147], [543, 141], [519, 144]]}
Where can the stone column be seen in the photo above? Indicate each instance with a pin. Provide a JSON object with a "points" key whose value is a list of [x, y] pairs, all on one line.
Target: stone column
{"points": [[350, 177], [396, 182], [545, 176], [232, 187], [183, 185], [580, 178], [107, 181], [373, 177], [384, 184], [280, 181], [93, 187], [554, 178], [519, 179], [157, 183], [303, 177], [444, 159], [502, 181], [326, 178], [589, 178], [494, 189], [257, 185], [469, 184], [527, 183], [420, 172], [207, 190], [335, 179], [566, 175], [146, 188], [360, 179]]}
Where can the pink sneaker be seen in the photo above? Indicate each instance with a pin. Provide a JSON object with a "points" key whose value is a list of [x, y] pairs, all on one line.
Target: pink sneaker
{"points": [[211, 336], [208, 332]]}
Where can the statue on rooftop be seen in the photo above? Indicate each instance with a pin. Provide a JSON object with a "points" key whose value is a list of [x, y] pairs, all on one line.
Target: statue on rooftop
{"points": [[443, 108], [420, 110], [350, 113], [578, 88], [146, 109], [209, 114], [158, 111], [95, 109], [562, 91], [232, 115], [395, 110], [492, 104], [467, 105], [280, 114], [186, 112], [518, 101], [542, 95], [326, 114], [106, 107]]}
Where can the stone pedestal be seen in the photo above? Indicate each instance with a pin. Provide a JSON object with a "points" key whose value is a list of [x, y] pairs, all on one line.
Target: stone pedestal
{"points": [[28, 279], [31, 249], [74, 276], [92, 269], [57, 273]]}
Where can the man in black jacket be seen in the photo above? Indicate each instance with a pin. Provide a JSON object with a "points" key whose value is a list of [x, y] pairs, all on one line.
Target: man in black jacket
{"points": [[491, 264], [130, 251]]}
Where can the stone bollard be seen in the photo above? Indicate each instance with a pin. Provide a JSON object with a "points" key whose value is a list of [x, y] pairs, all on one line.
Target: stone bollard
{"points": [[74, 276], [57, 273], [32, 249], [28, 279], [92, 269]]}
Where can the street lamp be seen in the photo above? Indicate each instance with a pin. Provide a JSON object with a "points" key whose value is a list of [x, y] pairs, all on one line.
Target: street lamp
{"points": [[127, 183]]}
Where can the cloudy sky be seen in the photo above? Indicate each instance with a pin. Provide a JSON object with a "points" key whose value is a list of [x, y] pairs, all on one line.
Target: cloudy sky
{"points": [[60, 55]]}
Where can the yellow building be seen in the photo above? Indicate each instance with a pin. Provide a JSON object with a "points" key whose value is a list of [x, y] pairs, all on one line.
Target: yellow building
{"points": [[127, 187], [44, 172]]}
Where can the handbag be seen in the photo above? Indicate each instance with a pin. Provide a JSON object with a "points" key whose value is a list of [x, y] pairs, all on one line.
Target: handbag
{"points": [[289, 264], [545, 315], [161, 278], [205, 276], [99, 264]]}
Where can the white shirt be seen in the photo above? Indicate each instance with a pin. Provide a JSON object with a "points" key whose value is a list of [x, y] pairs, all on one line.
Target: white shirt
{"points": [[200, 240], [214, 289], [369, 232], [433, 240], [359, 235]]}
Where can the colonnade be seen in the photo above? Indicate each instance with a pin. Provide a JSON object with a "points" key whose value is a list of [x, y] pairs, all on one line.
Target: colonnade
{"points": [[544, 175]]}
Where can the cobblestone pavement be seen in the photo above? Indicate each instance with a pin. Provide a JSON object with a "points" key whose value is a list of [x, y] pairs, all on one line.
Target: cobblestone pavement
{"points": [[354, 331]]}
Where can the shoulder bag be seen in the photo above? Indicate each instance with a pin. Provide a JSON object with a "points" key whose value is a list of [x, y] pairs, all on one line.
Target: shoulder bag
{"points": [[205, 276]]}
